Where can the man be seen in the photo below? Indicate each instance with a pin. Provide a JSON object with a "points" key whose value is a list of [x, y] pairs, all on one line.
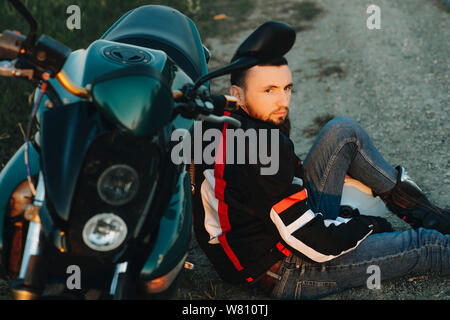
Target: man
{"points": [[283, 231]]}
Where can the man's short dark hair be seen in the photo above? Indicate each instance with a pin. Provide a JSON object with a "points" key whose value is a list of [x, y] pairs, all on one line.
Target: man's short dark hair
{"points": [[238, 77]]}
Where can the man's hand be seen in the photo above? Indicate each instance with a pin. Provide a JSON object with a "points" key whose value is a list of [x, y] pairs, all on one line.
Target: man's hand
{"points": [[379, 224]]}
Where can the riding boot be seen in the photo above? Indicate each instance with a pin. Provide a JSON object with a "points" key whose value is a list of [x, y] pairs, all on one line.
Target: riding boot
{"points": [[408, 202]]}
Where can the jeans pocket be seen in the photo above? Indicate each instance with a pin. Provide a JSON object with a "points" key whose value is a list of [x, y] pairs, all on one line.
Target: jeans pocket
{"points": [[307, 289]]}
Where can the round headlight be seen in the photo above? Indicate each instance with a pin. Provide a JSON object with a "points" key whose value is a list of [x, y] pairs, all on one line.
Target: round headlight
{"points": [[104, 232], [118, 184]]}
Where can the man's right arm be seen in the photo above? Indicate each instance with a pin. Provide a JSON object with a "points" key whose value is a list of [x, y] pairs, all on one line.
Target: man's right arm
{"points": [[284, 204]]}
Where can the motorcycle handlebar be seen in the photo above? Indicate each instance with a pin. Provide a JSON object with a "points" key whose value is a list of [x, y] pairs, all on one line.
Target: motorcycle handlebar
{"points": [[221, 102], [200, 109]]}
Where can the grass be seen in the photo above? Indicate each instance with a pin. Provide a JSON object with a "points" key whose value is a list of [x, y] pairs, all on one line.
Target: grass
{"points": [[96, 17]]}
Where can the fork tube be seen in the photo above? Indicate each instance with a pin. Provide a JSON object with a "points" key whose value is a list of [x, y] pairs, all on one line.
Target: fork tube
{"points": [[32, 269]]}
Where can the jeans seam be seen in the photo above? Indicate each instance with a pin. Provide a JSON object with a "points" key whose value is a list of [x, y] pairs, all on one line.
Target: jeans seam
{"points": [[284, 273], [318, 283], [361, 152], [282, 284], [331, 163]]}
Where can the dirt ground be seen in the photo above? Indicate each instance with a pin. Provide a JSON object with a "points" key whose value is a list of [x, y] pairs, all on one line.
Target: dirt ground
{"points": [[393, 81]]}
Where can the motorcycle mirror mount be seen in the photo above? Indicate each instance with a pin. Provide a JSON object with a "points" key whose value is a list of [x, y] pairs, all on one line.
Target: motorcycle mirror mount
{"points": [[31, 37], [270, 40]]}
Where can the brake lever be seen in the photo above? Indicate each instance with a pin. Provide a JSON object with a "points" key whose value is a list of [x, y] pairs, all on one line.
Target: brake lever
{"points": [[7, 69], [216, 119]]}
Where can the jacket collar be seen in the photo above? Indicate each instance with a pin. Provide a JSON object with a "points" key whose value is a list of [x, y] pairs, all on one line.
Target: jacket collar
{"points": [[242, 113]]}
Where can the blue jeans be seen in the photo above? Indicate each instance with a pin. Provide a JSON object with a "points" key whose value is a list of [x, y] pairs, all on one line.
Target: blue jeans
{"points": [[343, 147]]}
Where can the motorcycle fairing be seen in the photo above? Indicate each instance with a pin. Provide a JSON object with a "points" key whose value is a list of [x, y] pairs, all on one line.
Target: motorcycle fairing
{"points": [[137, 99], [174, 233], [66, 134], [11, 176], [163, 28]]}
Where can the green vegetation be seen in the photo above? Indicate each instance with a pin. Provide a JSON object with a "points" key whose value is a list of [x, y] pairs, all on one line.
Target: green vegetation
{"points": [[96, 17]]}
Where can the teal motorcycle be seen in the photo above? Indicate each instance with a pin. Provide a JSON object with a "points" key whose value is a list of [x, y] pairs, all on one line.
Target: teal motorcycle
{"points": [[92, 202]]}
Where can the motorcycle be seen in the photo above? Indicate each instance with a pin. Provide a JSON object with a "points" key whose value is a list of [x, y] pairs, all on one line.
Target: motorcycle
{"points": [[92, 204]]}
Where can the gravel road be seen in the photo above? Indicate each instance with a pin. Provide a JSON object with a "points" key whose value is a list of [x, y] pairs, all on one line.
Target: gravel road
{"points": [[394, 81]]}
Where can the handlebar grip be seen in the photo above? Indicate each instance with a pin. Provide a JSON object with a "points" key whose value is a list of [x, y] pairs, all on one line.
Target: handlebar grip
{"points": [[215, 119], [10, 44], [224, 103]]}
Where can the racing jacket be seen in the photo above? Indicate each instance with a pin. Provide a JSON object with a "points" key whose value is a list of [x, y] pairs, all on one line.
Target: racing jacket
{"points": [[246, 221]]}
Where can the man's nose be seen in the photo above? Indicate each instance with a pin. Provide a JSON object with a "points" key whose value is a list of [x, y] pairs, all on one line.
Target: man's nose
{"points": [[283, 99]]}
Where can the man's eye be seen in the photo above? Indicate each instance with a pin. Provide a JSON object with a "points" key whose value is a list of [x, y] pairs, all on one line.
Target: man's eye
{"points": [[268, 90]]}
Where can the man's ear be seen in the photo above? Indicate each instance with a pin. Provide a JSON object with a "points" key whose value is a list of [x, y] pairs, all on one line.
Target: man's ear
{"points": [[238, 92]]}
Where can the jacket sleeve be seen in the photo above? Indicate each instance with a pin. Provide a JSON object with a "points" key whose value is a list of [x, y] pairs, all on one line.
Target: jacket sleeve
{"points": [[284, 205]]}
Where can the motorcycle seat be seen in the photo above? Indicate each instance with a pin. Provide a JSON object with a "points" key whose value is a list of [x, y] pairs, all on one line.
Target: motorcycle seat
{"points": [[163, 28]]}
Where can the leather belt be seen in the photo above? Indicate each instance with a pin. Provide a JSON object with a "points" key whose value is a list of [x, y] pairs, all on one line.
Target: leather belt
{"points": [[268, 280]]}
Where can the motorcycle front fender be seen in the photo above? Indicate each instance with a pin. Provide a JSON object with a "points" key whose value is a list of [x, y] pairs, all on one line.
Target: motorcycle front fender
{"points": [[174, 234], [11, 176]]}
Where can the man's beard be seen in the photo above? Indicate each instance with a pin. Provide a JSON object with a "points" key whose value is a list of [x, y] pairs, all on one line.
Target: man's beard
{"points": [[285, 126]]}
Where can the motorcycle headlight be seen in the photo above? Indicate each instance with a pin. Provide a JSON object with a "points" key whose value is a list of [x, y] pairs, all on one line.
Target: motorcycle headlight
{"points": [[118, 184], [104, 232]]}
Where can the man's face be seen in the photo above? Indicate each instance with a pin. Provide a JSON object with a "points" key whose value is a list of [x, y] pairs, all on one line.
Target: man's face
{"points": [[267, 93]]}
